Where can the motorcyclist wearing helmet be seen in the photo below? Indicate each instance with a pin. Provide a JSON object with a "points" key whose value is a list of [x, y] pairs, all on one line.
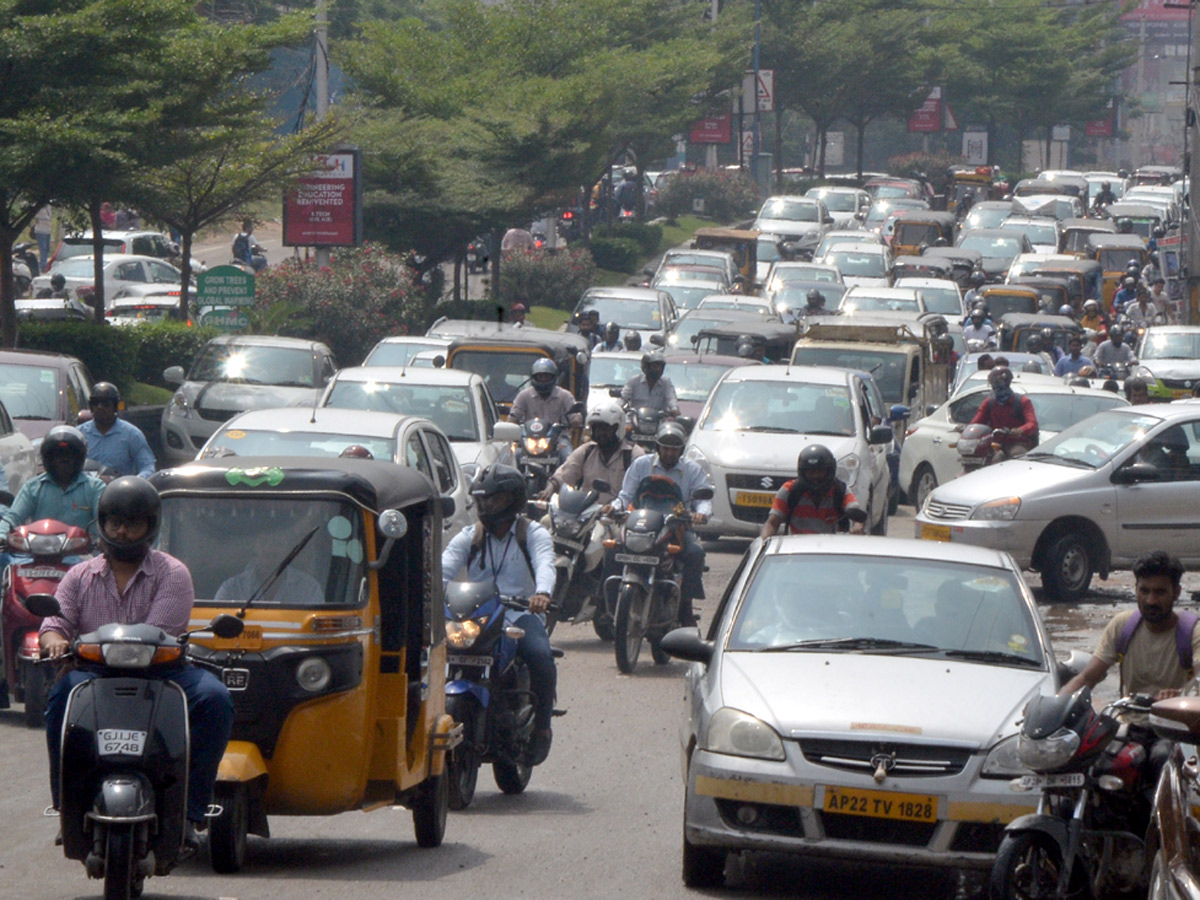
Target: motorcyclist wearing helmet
{"points": [[1127, 294], [113, 442], [689, 477], [979, 329], [816, 501], [132, 583], [612, 339], [1074, 361], [1049, 346], [1104, 196], [1092, 318], [1037, 346], [64, 491], [517, 555], [651, 388], [545, 400], [972, 297], [1114, 351], [607, 456], [1010, 416], [633, 341], [814, 304]]}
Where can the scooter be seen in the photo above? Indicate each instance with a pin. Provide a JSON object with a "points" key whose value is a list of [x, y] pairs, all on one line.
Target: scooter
{"points": [[487, 691], [975, 447], [643, 426], [49, 542], [125, 754], [579, 555]]}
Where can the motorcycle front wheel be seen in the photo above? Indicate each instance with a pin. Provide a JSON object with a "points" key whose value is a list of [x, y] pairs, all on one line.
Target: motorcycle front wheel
{"points": [[37, 687], [119, 864], [1027, 867], [462, 765], [629, 626]]}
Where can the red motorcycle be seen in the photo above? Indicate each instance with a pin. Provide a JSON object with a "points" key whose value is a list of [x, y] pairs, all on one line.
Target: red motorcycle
{"points": [[49, 542]]}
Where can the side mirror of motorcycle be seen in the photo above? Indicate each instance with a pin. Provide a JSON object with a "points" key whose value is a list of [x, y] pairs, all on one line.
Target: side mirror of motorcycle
{"points": [[602, 486], [687, 423], [702, 493], [1176, 719], [656, 339], [43, 605], [686, 644], [227, 626], [448, 507], [576, 408]]}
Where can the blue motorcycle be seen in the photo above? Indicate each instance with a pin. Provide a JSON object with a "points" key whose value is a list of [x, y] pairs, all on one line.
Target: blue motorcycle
{"points": [[487, 691]]}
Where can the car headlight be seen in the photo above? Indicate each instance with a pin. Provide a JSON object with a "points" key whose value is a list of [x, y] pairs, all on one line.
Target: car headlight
{"points": [[1004, 760], [179, 406], [1048, 753], [1143, 372], [1003, 510], [696, 455], [313, 674], [736, 733], [847, 469], [461, 635]]}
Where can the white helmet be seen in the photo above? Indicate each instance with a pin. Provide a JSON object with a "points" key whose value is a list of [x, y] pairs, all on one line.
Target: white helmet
{"points": [[607, 414]]}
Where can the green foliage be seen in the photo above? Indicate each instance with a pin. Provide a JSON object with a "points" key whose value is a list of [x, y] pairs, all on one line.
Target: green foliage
{"points": [[535, 277], [935, 166], [728, 196], [616, 254], [648, 237], [164, 344], [109, 353], [365, 294]]}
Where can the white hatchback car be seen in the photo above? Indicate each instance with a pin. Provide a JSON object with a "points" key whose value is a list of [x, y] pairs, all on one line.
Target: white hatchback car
{"points": [[759, 418], [119, 269]]}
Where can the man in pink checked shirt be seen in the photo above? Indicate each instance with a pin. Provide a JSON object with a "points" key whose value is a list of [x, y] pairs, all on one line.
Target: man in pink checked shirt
{"points": [[131, 584]]}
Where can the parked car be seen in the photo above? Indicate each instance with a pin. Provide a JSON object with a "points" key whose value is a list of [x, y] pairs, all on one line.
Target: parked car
{"points": [[759, 418], [138, 242], [17, 454], [40, 390], [1093, 499], [457, 401], [856, 700], [120, 270], [234, 373], [142, 308]]}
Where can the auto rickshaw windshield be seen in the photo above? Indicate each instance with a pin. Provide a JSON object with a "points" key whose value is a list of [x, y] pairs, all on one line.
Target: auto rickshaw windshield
{"points": [[232, 545]]}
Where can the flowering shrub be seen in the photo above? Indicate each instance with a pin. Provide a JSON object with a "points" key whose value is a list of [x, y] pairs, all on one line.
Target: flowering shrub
{"points": [[363, 295], [728, 196], [536, 277]]}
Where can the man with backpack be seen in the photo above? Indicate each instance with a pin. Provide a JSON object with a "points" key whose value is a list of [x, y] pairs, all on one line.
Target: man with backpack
{"points": [[246, 248], [816, 501]]}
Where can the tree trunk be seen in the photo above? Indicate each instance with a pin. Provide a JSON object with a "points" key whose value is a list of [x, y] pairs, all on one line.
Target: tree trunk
{"points": [[778, 149], [862, 131], [821, 150], [97, 261], [185, 277], [458, 268], [8, 309]]}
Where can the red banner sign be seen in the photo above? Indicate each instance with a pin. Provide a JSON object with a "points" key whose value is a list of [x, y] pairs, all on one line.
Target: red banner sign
{"points": [[929, 117], [322, 209], [1158, 11], [716, 130]]}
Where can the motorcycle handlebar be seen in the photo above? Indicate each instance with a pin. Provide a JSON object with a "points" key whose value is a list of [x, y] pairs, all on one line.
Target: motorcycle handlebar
{"points": [[518, 602]]}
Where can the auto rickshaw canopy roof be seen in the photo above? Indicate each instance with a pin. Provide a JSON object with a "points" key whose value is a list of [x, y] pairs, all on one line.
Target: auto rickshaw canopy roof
{"points": [[1134, 211], [1104, 241], [1022, 321], [1097, 225], [944, 220], [471, 333]]}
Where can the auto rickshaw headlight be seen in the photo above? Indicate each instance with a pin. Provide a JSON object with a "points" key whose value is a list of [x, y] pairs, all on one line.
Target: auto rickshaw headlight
{"points": [[461, 635], [313, 674]]}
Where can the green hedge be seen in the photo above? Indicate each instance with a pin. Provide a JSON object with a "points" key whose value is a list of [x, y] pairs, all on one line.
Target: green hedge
{"points": [[727, 196], [540, 278], [616, 254], [166, 344], [648, 237]]}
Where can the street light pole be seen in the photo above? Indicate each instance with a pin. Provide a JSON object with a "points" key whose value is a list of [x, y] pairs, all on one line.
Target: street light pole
{"points": [[757, 119]]}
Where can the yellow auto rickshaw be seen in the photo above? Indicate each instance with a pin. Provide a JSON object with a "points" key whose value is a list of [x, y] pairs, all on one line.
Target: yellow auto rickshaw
{"points": [[742, 243], [977, 182], [1002, 299], [1077, 231], [1114, 253], [917, 229], [338, 679]]}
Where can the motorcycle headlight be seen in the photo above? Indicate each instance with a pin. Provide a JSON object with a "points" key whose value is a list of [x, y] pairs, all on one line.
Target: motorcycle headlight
{"points": [[1003, 510], [736, 733], [536, 445], [128, 656], [1048, 753], [46, 544], [313, 674], [461, 635], [1004, 760], [639, 541]]}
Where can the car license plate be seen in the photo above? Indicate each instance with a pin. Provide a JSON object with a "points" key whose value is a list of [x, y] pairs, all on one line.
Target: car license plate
{"points": [[935, 532], [881, 804], [41, 572], [120, 742], [753, 498], [466, 659], [1073, 779], [236, 679], [637, 560]]}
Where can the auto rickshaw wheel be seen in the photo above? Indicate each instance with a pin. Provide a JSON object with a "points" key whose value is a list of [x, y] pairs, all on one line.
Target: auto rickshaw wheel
{"points": [[227, 832], [430, 810]]}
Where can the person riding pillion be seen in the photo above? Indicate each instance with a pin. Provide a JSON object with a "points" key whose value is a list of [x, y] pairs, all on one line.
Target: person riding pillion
{"points": [[517, 555], [612, 339], [651, 388], [1010, 415], [545, 400], [688, 477], [816, 501]]}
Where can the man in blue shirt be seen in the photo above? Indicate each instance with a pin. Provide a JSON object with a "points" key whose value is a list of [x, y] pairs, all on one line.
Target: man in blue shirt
{"points": [[522, 569], [113, 442], [1074, 360], [1127, 294]]}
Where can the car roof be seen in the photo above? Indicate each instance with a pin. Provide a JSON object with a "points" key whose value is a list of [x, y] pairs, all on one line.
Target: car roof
{"points": [[1035, 383], [110, 235], [890, 293], [115, 258], [35, 357], [859, 247], [322, 420], [409, 375], [1173, 329], [623, 292], [898, 548], [415, 339], [915, 283], [801, 374], [267, 340]]}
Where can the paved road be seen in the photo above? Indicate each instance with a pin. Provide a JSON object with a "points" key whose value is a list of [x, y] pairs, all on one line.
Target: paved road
{"points": [[600, 819]]}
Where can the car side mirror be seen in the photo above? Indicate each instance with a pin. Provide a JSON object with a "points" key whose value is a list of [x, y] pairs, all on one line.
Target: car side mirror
{"points": [[1135, 473], [686, 644], [880, 434], [173, 375], [615, 392], [656, 339], [506, 432], [448, 507], [899, 412], [647, 270], [930, 409]]}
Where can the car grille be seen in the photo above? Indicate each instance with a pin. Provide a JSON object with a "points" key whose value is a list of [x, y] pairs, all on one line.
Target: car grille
{"points": [[1179, 384], [759, 482], [841, 827], [907, 760], [937, 510], [977, 837], [217, 415]]}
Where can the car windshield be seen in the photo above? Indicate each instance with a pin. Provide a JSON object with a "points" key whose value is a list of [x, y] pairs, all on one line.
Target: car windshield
{"points": [[891, 191], [992, 246], [83, 247], [830, 241], [1037, 232], [29, 392], [829, 603], [282, 366], [794, 295], [1170, 346], [642, 315], [780, 407], [988, 217], [767, 250], [1117, 259], [837, 201], [694, 381], [871, 302], [786, 274], [738, 304], [686, 296], [793, 210], [612, 371], [399, 353], [944, 300], [240, 442], [853, 263], [505, 373], [447, 406], [1058, 412], [886, 367], [1094, 441], [231, 545], [691, 258]]}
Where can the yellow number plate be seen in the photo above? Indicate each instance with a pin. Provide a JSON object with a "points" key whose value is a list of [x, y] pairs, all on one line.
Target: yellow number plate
{"points": [[753, 498], [935, 532], [881, 804]]}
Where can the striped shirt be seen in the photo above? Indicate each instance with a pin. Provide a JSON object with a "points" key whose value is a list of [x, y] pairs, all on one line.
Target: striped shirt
{"points": [[811, 515], [159, 593]]}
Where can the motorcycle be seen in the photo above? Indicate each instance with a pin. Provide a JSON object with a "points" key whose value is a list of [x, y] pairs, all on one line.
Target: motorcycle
{"points": [[578, 556], [537, 454], [643, 426], [49, 542], [477, 255], [976, 447], [487, 691], [645, 597], [1173, 841], [125, 754], [1084, 838]]}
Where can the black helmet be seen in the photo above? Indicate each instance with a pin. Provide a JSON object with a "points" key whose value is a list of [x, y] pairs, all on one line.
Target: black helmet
{"points": [[1000, 376], [129, 497], [978, 279], [1133, 382], [816, 458], [57, 281], [104, 390], [633, 340], [1034, 344], [612, 331], [652, 359], [64, 441], [1158, 231], [1124, 226], [815, 297], [670, 434], [495, 481]]}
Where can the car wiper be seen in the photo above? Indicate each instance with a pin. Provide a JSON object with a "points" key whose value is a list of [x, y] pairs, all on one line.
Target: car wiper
{"points": [[849, 643], [773, 429], [997, 656], [1063, 460]]}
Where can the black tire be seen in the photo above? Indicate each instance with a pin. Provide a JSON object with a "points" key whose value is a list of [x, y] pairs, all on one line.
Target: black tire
{"points": [[1027, 867], [923, 484], [703, 867], [512, 778], [118, 863], [37, 687], [1067, 568], [430, 810], [881, 527], [462, 763], [893, 499], [603, 626], [661, 657], [629, 626], [227, 832]]}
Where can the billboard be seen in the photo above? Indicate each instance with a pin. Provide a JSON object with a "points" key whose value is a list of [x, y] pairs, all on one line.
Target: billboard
{"points": [[715, 130], [324, 209]]}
